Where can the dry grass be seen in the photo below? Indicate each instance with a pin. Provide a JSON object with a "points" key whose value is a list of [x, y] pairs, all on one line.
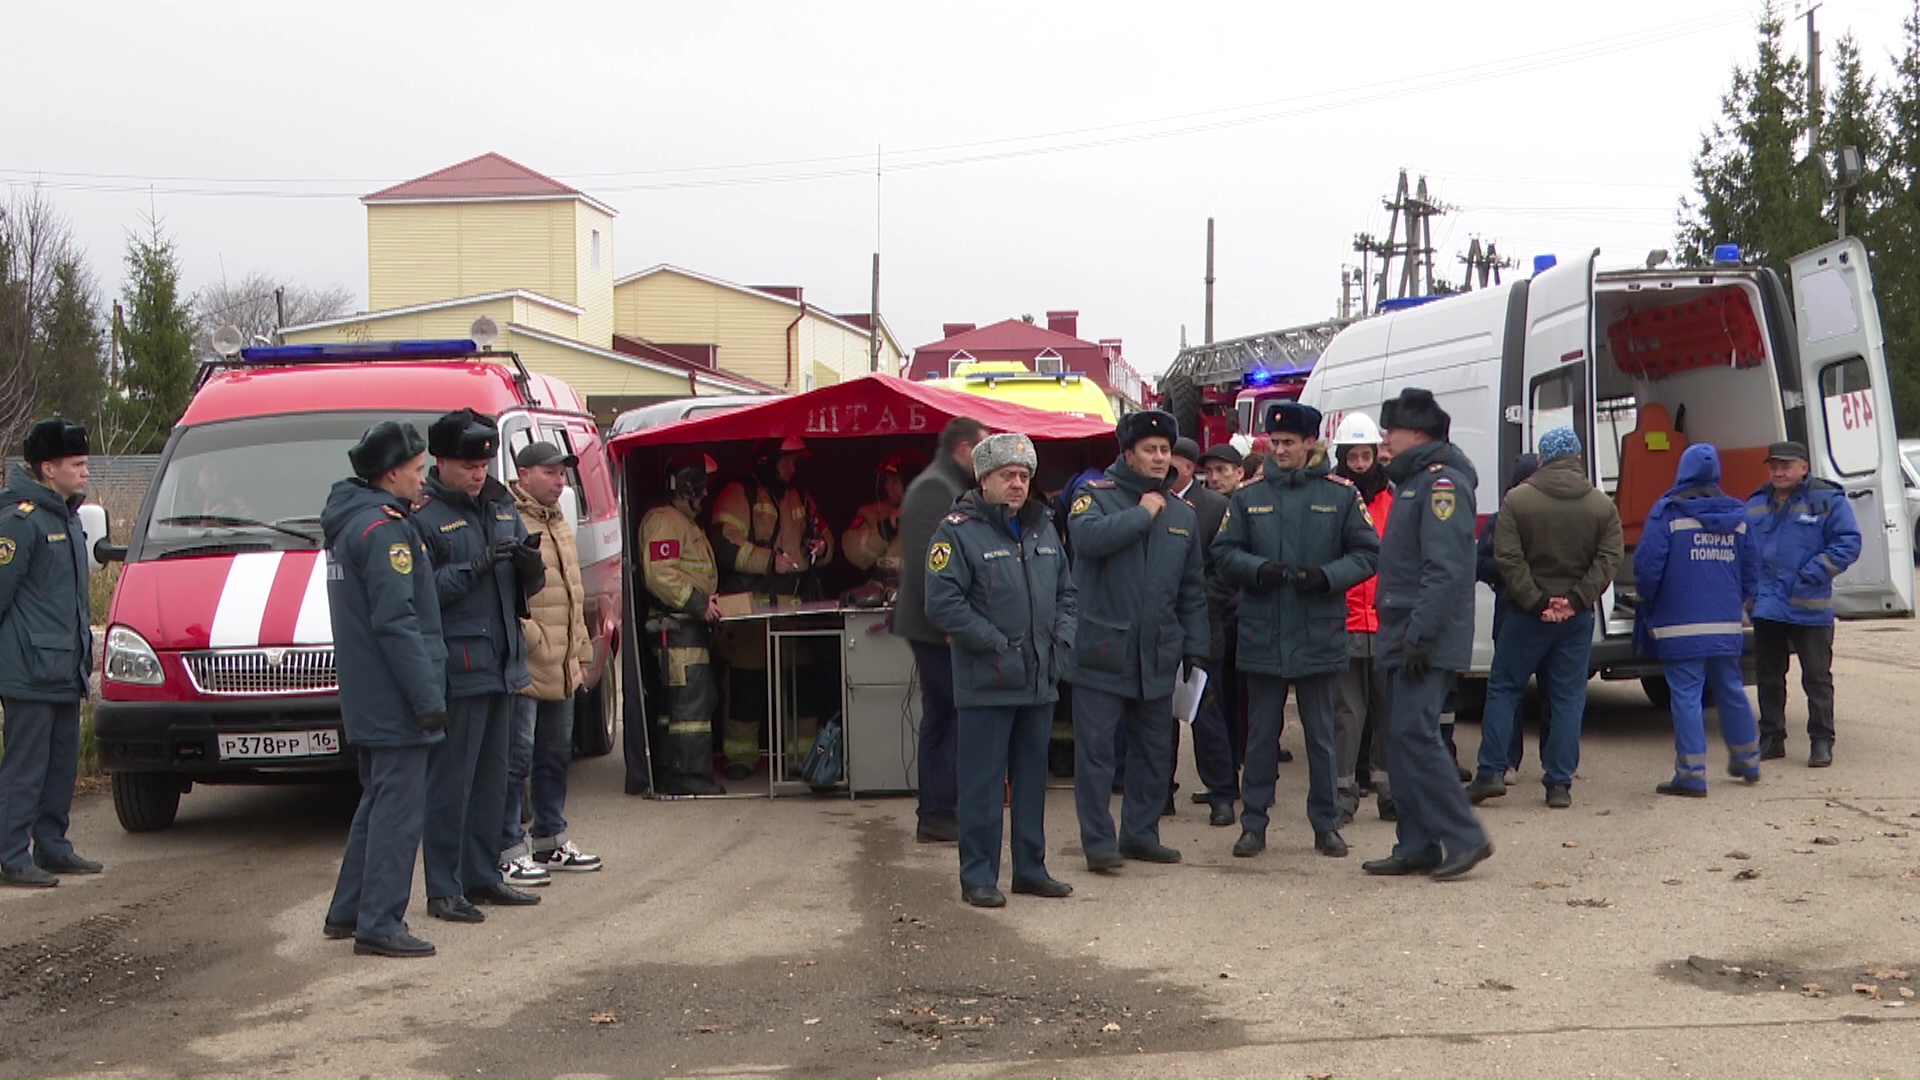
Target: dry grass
{"points": [[123, 506]]}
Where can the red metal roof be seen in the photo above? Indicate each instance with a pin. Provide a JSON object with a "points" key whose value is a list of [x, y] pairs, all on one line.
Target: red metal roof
{"points": [[488, 176], [437, 386], [1011, 334]]}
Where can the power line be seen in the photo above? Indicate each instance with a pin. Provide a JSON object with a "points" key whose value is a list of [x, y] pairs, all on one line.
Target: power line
{"points": [[946, 155]]}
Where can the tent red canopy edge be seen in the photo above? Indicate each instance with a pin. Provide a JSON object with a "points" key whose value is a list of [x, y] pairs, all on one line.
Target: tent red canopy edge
{"points": [[872, 405]]}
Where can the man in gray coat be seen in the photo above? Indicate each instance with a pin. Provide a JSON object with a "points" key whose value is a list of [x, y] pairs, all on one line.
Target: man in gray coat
{"points": [[1143, 613], [1295, 541], [929, 499], [1425, 599]]}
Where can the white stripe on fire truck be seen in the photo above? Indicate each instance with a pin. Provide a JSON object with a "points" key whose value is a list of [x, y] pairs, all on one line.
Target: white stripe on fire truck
{"points": [[315, 625], [243, 600]]}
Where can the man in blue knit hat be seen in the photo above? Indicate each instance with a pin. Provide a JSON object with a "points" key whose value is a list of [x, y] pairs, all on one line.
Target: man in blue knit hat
{"points": [[1558, 543]]}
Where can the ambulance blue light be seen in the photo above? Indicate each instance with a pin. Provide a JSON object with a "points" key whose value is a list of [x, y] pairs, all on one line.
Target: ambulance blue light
{"points": [[1544, 262], [1726, 255], [372, 350]]}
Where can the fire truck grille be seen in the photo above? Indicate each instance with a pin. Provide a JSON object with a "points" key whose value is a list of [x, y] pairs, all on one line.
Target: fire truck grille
{"points": [[253, 672]]}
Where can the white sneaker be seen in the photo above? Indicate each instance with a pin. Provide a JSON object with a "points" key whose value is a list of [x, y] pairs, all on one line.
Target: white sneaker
{"points": [[523, 872], [567, 857]]}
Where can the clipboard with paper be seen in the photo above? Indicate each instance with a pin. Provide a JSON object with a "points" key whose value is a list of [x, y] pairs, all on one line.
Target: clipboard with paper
{"points": [[1186, 694]]}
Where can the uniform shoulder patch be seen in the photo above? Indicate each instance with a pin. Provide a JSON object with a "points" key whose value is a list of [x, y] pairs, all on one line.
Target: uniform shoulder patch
{"points": [[1101, 484], [939, 555], [393, 513], [958, 517], [1443, 501], [663, 550], [1436, 466], [400, 557], [1338, 479], [1081, 502], [7, 548], [25, 509], [1442, 483]]}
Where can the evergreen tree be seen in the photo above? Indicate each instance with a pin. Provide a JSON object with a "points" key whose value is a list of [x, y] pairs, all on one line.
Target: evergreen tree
{"points": [[1895, 236], [156, 344], [73, 379], [1752, 186]]}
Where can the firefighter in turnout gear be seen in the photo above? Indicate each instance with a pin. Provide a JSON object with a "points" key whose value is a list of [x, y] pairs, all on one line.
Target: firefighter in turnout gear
{"points": [[682, 583], [872, 539], [769, 537]]}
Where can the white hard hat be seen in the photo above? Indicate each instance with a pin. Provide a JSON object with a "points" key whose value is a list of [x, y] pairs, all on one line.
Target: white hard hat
{"points": [[1242, 443], [1356, 429]]}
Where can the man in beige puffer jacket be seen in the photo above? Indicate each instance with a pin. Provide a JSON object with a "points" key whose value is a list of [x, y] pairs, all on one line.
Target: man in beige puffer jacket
{"points": [[540, 743]]}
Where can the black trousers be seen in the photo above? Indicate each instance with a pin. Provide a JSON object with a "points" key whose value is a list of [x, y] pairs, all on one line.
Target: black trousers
{"points": [[1772, 642]]}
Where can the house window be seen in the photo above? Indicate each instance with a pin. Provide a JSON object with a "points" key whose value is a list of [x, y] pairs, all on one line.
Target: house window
{"points": [[1049, 362], [958, 359], [596, 250]]}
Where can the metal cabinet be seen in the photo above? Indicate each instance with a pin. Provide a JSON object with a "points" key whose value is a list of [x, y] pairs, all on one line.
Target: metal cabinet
{"points": [[882, 706]]}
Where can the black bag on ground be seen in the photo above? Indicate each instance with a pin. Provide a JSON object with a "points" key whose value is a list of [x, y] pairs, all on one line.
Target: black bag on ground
{"points": [[825, 765]]}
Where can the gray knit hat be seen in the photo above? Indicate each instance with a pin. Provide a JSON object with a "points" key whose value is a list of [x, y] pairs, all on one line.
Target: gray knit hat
{"points": [[1002, 450]]}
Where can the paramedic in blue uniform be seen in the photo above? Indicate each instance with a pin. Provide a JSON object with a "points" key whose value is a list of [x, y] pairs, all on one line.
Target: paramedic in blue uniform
{"points": [[46, 653], [1694, 572], [485, 569], [1807, 537], [1138, 570], [1425, 600], [998, 586], [1294, 541], [392, 670]]}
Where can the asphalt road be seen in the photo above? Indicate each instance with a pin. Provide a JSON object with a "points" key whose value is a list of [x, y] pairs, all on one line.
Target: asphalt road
{"points": [[1768, 930]]}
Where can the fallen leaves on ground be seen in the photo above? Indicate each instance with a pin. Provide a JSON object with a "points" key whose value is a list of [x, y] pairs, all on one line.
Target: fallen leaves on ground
{"points": [[603, 1016], [1897, 974], [1826, 841], [1495, 984], [1748, 874], [1812, 990], [1869, 990], [1738, 855], [1590, 901]]}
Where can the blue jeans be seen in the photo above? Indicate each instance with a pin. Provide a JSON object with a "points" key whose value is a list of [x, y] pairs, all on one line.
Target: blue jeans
{"points": [[466, 783], [37, 768], [376, 874], [1003, 751], [1687, 679], [1149, 768], [938, 788], [1558, 652], [540, 747]]}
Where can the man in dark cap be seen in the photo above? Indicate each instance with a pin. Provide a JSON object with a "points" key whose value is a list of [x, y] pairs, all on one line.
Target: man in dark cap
{"points": [[392, 669], [46, 653], [1425, 600], [485, 569], [1140, 577], [1807, 537], [1295, 543]]}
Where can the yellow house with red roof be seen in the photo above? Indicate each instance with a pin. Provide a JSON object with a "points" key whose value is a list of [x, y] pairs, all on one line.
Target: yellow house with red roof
{"points": [[491, 237]]}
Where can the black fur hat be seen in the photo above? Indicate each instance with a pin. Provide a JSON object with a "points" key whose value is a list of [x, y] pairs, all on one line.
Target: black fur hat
{"points": [[1415, 410], [464, 436], [1139, 425], [1293, 418], [53, 438], [385, 447]]}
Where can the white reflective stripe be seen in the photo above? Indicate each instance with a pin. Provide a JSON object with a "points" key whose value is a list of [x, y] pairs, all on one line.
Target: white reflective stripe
{"points": [[1683, 524], [1741, 528], [315, 625], [597, 540], [1703, 629], [243, 600]]}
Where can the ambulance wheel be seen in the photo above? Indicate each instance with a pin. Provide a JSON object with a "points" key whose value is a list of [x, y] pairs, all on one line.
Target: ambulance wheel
{"points": [[595, 713], [1657, 690], [145, 801]]}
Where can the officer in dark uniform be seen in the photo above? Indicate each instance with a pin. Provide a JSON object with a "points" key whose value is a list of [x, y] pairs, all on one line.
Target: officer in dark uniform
{"points": [[1425, 600], [485, 568], [1143, 612], [46, 653], [998, 586], [1295, 542], [393, 670]]}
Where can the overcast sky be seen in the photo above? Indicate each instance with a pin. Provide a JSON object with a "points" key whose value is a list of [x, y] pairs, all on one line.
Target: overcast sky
{"points": [[1034, 155]]}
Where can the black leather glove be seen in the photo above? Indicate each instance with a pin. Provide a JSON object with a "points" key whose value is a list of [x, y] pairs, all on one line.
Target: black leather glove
{"points": [[501, 551], [1273, 575], [434, 721], [526, 560], [1311, 579], [1416, 662], [1191, 664]]}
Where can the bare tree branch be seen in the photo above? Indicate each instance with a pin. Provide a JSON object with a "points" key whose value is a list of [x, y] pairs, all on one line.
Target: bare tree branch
{"points": [[248, 305]]}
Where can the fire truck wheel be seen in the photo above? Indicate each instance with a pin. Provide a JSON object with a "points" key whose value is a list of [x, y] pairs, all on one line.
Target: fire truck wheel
{"points": [[146, 802]]}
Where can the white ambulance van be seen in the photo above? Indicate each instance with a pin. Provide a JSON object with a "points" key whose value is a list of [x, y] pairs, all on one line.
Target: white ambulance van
{"points": [[1643, 363]]}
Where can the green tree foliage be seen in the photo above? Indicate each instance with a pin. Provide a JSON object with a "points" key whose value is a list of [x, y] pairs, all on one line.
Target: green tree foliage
{"points": [[1895, 226], [73, 377], [49, 320], [156, 345]]}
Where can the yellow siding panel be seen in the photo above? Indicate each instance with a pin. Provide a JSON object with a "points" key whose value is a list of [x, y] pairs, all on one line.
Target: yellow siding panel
{"points": [[594, 375], [595, 285], [751, 331], [449, 322], [421, 253], [543, 317]]}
